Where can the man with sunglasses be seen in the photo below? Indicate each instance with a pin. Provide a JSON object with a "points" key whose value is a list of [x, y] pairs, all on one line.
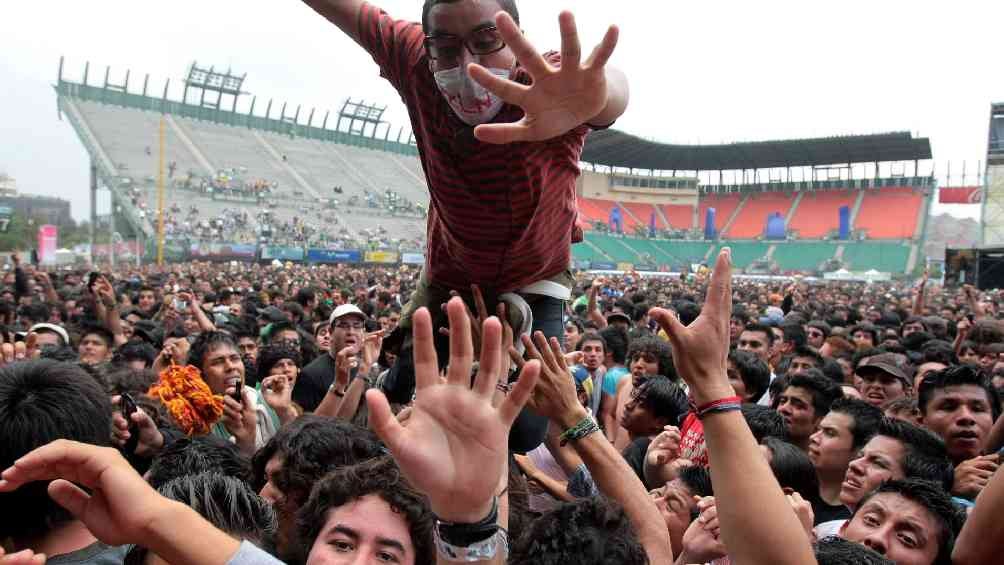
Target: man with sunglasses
{"points": [[500, 130]]}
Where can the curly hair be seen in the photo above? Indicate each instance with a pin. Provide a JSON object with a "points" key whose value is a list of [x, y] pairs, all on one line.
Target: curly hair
{"points": [[380, 477], [270, 355], [655, 347], [590, 531], [309, 448]]}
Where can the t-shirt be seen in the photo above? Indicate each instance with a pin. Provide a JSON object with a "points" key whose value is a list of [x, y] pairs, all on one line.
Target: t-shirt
{"points": [[95, 554], [692, 444], [612, 378], [635, 453], [313, 382], [826, 513], [501, 216], [248, 554]]}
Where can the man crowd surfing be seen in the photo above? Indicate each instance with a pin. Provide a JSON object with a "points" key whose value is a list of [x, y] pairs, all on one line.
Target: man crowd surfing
{"points": [[494, 407]]}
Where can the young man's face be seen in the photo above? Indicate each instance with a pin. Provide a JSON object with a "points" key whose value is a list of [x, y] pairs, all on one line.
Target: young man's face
{"points": [[736, 327], [461, 19], [880, 460], [675, 502], [756, 343], [323, 336], [638, 418], [572, 336], [147, 300], [878, 387], [912, 328], [248, 346], [897, 527], [795, 406], [801, 365], [222, 369], [644, 364], [961, 415], [831, 448], [93, 349], [366, 530], [863, 339], [736, 380], [816, 337], [592, 355]]}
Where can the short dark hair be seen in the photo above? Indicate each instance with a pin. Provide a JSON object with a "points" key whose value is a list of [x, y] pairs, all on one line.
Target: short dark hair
{"points": [[687, 311], [821, 326], [188, 456], [806, 351], [823, 390], [761, 328], [616, 343], [835, 550], [925, 455], [764, 422], [794, 333], [590, 531], [754, 372], [697, 479], [958, 375], [380, 477], [207, 342], [310, 447], [305, 295], [937, 501], [135, 351], [865, 418], [664, 398], [658, 348], [792, 468], [591, 336], [225, 502], [42, 401], [508, 6], [98, 330], [939, 351]]}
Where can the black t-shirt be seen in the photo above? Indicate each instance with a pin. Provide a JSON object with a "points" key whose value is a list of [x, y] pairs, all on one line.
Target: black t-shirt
{"points": [[313, 382], [634, 454], [826, 513]]}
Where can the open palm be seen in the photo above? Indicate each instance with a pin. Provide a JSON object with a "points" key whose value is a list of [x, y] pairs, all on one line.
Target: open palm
{"points": [[559, 99], [455, 443]]}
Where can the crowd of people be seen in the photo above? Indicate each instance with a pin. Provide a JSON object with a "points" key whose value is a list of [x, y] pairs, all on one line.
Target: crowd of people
{"points": [[271, 402]]}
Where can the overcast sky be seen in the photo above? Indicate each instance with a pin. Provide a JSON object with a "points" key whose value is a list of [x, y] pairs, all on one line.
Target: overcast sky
{"points": [[700, 72]]}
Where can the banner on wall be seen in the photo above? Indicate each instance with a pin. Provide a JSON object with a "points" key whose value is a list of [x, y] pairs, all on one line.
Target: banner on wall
{"points": [[960, 195], [646, 267], [381, 257], [625, 267], [333, 256], [223, 251], [602, 266], [47, 239], [413, 258], [282, 253]]}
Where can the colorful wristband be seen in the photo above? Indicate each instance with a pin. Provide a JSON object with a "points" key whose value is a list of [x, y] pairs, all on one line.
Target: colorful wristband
{"points": [[727, 404], [585, 427]]}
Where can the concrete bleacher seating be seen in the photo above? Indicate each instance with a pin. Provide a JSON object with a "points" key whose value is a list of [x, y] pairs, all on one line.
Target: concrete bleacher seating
{"points": [[724, 205], [890, 213], [752, 219], [818, 213], [743, 252], [681, 217], [883, 257]]}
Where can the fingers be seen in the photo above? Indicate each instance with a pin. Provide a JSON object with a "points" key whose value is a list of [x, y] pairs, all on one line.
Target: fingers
{"points": [[461, 347], [479, 302], [382, 420], [516, 358], [571, 50], [426, 365], [501, 134], [70, 497], [520, 393], [601, 54], [508, 90], [488, 367], [668, 322], [70, 460], [525, 53], [24, 557], [719, 300]]}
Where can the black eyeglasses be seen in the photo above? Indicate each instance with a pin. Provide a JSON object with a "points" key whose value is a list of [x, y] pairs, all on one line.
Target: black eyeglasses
{"points": [[445, 49]]}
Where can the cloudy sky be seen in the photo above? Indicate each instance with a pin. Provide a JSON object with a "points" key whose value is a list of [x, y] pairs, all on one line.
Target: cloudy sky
{"points": [[700, 72]]}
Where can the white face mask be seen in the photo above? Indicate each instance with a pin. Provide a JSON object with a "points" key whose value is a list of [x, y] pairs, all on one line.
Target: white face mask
{"points": [[471, 102]]}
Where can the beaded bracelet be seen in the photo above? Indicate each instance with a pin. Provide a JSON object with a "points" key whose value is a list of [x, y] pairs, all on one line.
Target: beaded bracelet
{"points": [[585, 427]]}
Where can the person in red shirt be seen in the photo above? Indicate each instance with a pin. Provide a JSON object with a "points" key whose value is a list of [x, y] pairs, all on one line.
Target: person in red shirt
{"points": [[499, 129]]}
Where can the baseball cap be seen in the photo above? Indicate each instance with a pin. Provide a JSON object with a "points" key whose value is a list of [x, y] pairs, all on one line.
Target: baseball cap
{"points": [[272, 314], [618, 314], [894, 364], [345, 310], [52, 328]]}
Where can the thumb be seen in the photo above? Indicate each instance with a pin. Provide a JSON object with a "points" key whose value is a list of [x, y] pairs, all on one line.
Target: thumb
{"points": [[69, 496], [667, 321], [382, 420]]}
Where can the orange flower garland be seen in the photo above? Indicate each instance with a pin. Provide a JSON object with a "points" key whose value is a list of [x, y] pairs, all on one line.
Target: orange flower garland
{"points": [[188, 399]]}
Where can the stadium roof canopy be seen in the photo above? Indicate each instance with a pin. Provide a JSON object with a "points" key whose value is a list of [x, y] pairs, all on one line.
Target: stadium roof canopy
{"points": [[618, 149]]}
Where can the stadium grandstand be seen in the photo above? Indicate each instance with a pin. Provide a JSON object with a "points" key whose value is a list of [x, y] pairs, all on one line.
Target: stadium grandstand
{"points": [[290, 185]]}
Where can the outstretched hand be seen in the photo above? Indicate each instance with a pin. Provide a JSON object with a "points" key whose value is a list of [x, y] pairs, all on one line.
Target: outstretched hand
{"points": [[701, 349], [560, 99], [455, 444]]}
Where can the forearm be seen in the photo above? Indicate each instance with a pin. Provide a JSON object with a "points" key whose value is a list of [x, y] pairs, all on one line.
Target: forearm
{"points": [[350, 404], [617, 481], [618, 94], [342, 13], [743, 480], [114, 324], [330, 403], [205, 324], [918, 302], [995, 439], [179, 535], [976, 542]]}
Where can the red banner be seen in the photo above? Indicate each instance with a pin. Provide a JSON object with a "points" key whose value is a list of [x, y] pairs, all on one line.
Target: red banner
{"points": [[961, 195], [47, 238]]}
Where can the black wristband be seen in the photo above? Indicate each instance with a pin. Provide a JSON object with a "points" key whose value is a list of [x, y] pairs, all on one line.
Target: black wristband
{"points": [[465, 535]]}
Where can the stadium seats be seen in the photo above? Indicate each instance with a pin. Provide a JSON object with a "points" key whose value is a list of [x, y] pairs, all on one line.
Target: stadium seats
{"points": [[594, 210], [883, 257], [818, 213], [724, 205], [890, 213], [680, 216], [803, 256], [752, 219], [643, 214]]}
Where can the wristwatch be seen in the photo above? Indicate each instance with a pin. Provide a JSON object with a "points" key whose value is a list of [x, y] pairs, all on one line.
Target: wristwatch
{"points": [[334, 390]]}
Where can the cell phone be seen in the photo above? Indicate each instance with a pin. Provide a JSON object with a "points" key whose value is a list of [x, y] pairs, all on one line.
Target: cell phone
{"points": [[180, 305], [128, 406], [91, 279], [238, 393]]}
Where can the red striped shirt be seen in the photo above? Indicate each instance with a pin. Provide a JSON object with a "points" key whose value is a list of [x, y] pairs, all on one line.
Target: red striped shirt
{"points": [[501, 216]]}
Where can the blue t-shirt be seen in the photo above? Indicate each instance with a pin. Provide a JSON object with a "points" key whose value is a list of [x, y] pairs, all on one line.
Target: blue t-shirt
{"points": [[612, 378]]}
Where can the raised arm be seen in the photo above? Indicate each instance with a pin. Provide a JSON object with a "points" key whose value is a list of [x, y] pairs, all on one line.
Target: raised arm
{"points": [[555, 397], [920, 295], [594, 313], [743, 480], [342, 13], [982, 538]]}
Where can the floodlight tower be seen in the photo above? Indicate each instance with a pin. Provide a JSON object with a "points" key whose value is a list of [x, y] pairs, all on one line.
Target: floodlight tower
{"points": [[359, 115], [201, 80]]}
